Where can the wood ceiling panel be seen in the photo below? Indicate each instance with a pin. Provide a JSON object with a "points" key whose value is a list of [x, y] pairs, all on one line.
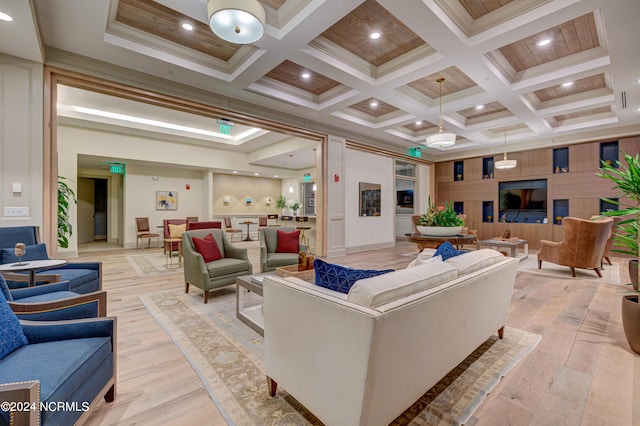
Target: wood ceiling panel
{"points": [[585, 113], [291, 73], [352, 33], [479, 8], [574, 36], [454, 81], [424, 125], [156, 19], [510, 127], [586, 84], [377, 111], [487, 109]]}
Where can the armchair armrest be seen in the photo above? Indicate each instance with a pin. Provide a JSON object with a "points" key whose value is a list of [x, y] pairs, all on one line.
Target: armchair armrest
{"points": [[550, 243], [81, 265], [49, 331], [23, 392], [21, 293], [47, 278], [89, 305], [236, 252]]}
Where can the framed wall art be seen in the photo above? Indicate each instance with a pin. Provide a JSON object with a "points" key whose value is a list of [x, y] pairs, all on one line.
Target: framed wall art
{"points": [[166, 200]]}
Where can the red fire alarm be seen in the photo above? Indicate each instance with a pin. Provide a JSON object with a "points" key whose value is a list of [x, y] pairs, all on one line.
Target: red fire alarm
{"points": [[188, 186], [336, 178]]}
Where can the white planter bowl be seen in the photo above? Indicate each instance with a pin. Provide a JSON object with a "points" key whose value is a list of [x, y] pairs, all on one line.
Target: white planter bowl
{"points": [[439, 231]]}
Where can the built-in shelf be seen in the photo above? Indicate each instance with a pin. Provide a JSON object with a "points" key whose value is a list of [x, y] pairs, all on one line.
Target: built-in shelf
{"points": [[487, 211], [561, 160], [560, 210], [606, 206], [609, 153], [458, 207], [458, 170], [487, 168]]}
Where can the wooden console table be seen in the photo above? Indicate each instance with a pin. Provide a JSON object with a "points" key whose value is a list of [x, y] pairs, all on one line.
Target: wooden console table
{"points": [[427, 241]]}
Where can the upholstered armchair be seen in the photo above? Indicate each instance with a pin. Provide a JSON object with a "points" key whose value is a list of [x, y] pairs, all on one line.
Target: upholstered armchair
{"points": [[230, 263], [583, 245], [52, 302], [212, 224], [56, 361], [269, 258], [84, 277], [168, 234], [609, 246]]}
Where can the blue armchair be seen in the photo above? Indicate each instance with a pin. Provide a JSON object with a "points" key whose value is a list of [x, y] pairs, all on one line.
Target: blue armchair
{"points": [[53, 302], [84, 277], [51, 362]]}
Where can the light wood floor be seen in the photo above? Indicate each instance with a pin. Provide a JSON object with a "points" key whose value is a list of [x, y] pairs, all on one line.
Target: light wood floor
{"points": [[581, 373]]}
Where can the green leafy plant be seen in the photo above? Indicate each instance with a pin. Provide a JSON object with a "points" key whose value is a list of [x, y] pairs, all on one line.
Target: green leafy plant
{"points": [[626, 178], [440, 215], [281, 203], [66, 196], [295, 206]]}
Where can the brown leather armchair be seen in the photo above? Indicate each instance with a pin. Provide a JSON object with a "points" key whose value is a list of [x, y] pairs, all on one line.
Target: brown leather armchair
{"points": [[583, 245], [609, 246]]}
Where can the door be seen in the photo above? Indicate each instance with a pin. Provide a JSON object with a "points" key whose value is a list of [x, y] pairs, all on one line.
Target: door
{"points": [[86, 210]]}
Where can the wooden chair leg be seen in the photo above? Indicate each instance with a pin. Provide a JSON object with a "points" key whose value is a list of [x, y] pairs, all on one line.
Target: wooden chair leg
{"points": [[539, 263], [608, 260], [501, 332], [272, 385], [110, 396], [597, 272], [206, 297], [573, 271], [186, 287]]}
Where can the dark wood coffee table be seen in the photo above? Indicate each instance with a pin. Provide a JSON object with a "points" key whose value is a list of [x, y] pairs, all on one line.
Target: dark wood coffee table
{"points": [[427, 241]]}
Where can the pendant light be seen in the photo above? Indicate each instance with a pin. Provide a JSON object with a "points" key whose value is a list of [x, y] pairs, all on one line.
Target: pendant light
{"points": [[237, 21], [442, 138], [315, 172], [290, 175], [505, 163]]}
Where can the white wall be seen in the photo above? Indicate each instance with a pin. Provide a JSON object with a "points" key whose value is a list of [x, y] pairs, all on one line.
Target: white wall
{"points": [[21, 152], [366, 233]]}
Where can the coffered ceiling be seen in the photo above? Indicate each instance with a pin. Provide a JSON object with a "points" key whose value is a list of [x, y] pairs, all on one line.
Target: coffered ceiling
{"points": [[318, 62]]}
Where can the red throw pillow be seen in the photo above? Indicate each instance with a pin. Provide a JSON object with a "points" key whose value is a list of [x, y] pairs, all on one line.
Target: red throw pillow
{"points": [[288, 241], [208, 248]]}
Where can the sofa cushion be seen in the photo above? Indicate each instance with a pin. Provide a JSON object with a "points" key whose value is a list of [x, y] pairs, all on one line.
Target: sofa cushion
{"points": [[11, 335], [447, 251], [227, 266], [48, 297], [207, 247], [474, 260], [77, 277], [378, 290], [288, 241], [175, 231], [33, 252], [281, 259], [340, 278]]}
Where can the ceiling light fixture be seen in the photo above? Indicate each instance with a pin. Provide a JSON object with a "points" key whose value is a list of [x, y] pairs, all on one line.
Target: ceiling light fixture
{"points": [[306, 75], [479, 106], [567, 84], [374, 35], [442, 138], [187, 26], [543, 42], [419, 123], [373, 103], [237, 21], [315, 172], [5, 17], [290, 175], [505, 163]]}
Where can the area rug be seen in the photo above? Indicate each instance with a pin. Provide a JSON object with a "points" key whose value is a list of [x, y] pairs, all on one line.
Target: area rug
{"points": [[610, 273], [228, 357]]}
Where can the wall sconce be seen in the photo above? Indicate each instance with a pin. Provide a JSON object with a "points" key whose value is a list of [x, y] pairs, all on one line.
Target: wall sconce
{"points": [[226, 200], [267, 201], [248, 200]]}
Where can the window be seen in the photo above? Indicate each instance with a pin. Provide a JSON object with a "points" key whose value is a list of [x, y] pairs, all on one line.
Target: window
{"points": [[405, 169], [561, 160], [405, 187]]}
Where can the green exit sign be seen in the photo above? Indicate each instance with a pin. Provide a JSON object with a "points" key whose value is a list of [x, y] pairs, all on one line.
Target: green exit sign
{"points": [[415, 152], [225, 129], [117, 168]]}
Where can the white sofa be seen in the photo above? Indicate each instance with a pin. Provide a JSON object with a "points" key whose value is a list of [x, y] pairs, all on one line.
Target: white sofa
{"points": [[351, 364]]}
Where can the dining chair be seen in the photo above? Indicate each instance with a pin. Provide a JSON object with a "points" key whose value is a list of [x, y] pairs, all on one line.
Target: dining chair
{"points": [[192, 219], [229, 229], [143, 232]]}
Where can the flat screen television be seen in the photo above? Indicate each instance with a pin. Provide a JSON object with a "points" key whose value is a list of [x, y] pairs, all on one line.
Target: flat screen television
{"points": [[523, 201], [404, 198]]}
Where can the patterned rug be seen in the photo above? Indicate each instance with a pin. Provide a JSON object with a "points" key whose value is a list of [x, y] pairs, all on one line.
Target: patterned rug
{"points": [[228, 357]]}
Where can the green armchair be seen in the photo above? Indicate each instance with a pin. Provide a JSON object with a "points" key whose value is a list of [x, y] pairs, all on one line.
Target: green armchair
{"points": [[269, 259], [217, 273]]}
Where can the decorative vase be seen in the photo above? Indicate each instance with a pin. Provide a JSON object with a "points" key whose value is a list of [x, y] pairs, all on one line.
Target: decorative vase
{"points": [[633, 273], [631, 321], [439, 231]]}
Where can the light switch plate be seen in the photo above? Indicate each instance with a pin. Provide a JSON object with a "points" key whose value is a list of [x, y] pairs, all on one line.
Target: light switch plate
{"points": [[16, 211]]}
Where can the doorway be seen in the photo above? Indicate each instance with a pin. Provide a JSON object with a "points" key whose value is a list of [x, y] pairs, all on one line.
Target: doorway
{"points": [[92, 209]]}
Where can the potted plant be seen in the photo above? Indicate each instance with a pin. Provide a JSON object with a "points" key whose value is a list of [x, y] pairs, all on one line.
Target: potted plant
{"points": [[440, 220], [295, 206], [281, 204], [626, 179], [66, 196]]}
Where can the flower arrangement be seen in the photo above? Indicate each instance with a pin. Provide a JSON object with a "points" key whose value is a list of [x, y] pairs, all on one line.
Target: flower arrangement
{"points": [[440, 215]]}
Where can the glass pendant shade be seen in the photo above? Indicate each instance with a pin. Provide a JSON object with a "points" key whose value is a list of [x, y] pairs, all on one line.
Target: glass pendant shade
{"points": [[442, 138], [237, 21], [505, 163]]}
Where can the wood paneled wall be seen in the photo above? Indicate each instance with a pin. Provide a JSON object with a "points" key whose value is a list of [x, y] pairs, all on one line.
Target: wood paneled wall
{"points": [[580, 186]]}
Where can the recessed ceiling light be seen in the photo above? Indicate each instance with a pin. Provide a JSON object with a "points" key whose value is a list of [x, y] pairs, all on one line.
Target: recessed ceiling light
{"points": [[374, 35], [5, 17], [275, 176], [187, 26], [235, 172], [479, 106], [418, 123], [306, 75], [256, 174], [543, 42], [374, 103], [567, 84]]}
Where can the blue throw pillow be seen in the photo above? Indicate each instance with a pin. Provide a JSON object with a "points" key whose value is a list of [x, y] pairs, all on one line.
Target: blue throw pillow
{"points": [[34, 252], [11, 334], [341, 278], [447, 251]]}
